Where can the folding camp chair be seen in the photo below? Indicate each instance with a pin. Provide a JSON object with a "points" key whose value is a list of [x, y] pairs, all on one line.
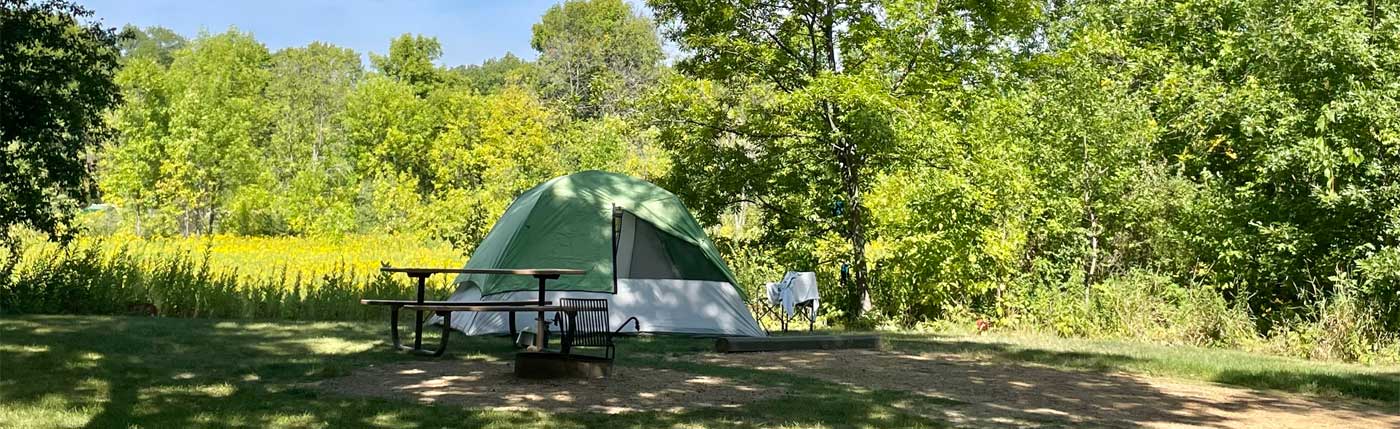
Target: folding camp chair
{"points": [[590, 326]]}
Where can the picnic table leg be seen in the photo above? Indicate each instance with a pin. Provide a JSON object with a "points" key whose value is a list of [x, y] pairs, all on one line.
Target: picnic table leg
{"points": [[394, 326], [568, 340], [446, 331], [540, 327], [511, 317], [418, 315]]}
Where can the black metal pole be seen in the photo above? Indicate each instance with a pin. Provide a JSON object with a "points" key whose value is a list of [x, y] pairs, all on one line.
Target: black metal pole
{"points": [[616, 229], [418, 314]]}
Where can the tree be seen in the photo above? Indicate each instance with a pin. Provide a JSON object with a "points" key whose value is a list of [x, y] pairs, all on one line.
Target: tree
{"points": [[804, 102], [1285, 115], [410, 60], [495, 74], [58, 79], [131, 164], [308, 147], [155, 42], [390, 130], [596, 56], [308, 87], [219, 120], [490, 149]]}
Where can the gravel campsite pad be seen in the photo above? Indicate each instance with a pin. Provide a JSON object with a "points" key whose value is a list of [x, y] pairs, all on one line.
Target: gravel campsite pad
{"points": [[984, 394], [491, 385]]}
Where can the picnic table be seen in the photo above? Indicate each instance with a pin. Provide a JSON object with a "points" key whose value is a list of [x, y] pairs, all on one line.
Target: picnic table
{"points": [[419, 305]]}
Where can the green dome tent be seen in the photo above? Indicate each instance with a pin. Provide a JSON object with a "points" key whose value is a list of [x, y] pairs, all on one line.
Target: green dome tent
{"points": [[668, 272]]}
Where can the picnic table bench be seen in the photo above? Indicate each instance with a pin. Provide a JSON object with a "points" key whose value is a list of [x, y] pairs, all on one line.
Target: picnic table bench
{"points": [[396, 304], [445, 311], [420, 305]]}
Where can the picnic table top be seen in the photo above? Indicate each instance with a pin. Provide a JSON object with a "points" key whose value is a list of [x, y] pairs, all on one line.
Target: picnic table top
{"points": [[483, 308], [447, 303], [503, 271]]}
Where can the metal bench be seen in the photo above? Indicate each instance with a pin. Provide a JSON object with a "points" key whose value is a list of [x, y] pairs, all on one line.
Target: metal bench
{"points": [[590, 327]]}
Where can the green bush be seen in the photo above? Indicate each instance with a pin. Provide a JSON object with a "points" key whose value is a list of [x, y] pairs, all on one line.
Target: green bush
{"points": [[1151, 307]]}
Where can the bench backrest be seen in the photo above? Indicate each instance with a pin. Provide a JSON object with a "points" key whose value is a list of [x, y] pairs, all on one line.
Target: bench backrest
{"points": [[590, 325]]}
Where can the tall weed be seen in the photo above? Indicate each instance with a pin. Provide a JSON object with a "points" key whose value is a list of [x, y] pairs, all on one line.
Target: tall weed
{"points": [[88, 278]]}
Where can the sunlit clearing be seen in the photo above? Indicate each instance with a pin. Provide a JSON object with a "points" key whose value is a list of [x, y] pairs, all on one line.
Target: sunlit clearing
{"points": [[705, 380], [220, 390], [296, 420], [333, 345]]}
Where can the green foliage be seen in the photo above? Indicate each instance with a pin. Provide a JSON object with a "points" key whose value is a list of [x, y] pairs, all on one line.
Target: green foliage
{"points": [[596, 56], [152, 43], [1236, 156], [1209, 172], [57, 81], [218, 118], [410, 61], [131, 165], [495, 74], [799, 106]]}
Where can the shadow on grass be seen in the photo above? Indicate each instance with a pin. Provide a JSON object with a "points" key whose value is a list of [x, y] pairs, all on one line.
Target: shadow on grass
{"points": [[119, 372], [116, 372], [1376, 386], [1384, 387], [202, 373]]}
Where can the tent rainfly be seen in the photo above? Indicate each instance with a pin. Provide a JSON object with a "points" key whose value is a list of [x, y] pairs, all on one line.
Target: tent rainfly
{"points": [[669, 273]]}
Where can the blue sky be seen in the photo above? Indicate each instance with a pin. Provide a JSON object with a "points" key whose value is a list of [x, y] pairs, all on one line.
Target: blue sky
{"points": [[470, 30]]}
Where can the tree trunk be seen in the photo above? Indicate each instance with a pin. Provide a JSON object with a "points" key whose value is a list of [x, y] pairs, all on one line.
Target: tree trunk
{"points": [[320, 137], [209, 229], [860, 301], [1091, 226], [137, 212], [185, 221], [848, 158], [1092, 235], [212, 208]]}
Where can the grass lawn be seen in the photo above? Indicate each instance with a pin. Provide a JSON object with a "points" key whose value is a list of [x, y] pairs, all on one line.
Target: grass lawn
{"points": [[79, 371]]}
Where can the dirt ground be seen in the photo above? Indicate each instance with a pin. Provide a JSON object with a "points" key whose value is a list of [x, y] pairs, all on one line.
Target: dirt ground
{"points": [[970, 393]]}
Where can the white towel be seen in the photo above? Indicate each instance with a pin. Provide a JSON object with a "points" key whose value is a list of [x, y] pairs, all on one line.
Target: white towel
{"points": [[789, 301], [800, 287]]}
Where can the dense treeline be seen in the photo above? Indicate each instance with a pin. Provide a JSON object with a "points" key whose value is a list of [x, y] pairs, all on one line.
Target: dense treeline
{"points": [[1003, 158], [219, 135], [1207, 170]]}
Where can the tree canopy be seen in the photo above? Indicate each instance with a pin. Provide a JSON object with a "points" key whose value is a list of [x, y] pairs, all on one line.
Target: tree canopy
{"points": [[58, 80]]}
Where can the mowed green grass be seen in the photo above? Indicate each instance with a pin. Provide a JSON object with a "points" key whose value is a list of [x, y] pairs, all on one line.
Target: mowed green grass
{"points": [[77, 371]]}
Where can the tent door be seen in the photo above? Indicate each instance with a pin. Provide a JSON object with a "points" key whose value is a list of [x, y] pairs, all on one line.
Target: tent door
{"points": [[646, 252]]}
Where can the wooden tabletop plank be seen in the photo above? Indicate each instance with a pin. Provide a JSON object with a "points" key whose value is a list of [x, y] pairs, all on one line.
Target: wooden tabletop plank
{"points": [[485, 308], [501, 271]]}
